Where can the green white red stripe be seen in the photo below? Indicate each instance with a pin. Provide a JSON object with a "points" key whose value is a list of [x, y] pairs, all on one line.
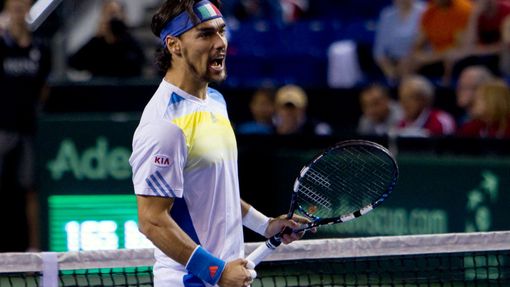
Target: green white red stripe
{"points": [[208, 10]]}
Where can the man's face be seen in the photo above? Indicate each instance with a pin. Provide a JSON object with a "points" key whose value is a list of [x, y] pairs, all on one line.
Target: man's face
{"points": [[204, 50], [288, 118], [466, 89], [262, 107], [412, 102], [375, 105]]}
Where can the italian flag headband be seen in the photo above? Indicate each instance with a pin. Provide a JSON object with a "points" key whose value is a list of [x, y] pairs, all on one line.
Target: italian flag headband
{"points": [[181, 23]]}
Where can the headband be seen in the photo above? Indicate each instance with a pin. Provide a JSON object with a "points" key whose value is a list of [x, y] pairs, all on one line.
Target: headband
{"points": [[181, 23]]}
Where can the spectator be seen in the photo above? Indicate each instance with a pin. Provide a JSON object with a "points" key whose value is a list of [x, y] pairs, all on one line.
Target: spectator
{"points": [[262, 111], [291, 118], [112, 52], [491, 112], [395, 35], [380, 112], [470, 79], [416, 96], [504, 63], [24, 68], [254, 10], [483, 41], [442, 27], [293, 10], [4, 21]]}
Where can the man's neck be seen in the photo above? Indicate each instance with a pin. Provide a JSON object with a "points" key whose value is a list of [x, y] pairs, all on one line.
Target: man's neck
{"points": [[187, 83]]}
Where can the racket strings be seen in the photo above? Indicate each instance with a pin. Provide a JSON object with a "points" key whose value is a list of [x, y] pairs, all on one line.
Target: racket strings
{"points": [[342, 181], [316, 198]]}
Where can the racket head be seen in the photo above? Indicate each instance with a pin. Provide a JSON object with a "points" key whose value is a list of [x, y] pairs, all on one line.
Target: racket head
{"points": [[346, 181]]}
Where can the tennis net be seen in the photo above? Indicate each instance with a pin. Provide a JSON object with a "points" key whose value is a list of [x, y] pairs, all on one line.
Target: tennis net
{"points": [[460, 259]]}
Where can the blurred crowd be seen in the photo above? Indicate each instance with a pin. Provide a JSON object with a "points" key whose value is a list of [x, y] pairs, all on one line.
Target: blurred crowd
{"points": [[418, 46], [439, 38], [482, 98]]}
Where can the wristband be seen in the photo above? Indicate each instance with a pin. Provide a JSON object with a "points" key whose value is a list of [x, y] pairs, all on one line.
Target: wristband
{"points": [[205, 266], [256, 221]]}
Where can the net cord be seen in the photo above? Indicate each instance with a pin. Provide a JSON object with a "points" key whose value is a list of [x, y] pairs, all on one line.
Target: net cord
{"points": [[304, 249]]}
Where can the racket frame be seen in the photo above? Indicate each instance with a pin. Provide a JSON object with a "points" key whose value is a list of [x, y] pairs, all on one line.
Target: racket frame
{"points": [[316, 221], [272, 243]]}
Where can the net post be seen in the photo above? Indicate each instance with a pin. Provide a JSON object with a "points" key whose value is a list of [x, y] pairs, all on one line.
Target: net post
{"points": [[49, 269]]}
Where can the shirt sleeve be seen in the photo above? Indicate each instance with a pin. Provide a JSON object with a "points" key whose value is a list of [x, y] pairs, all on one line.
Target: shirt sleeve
{"points": [[158, 160]]}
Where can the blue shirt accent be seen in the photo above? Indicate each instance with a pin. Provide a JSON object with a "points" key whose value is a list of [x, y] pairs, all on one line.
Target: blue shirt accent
{"points": [[215, 95], [180, 214], [175, 98]]}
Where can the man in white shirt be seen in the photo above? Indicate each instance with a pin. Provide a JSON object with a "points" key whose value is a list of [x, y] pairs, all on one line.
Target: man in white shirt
{"points": [[184, 159]]}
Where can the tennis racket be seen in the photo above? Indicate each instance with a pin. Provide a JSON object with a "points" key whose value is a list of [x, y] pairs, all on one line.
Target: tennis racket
{"points": [[346, 181]]}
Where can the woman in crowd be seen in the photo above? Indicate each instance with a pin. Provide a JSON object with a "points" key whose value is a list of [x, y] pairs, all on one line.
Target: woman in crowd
{"points": [[491, 112]]}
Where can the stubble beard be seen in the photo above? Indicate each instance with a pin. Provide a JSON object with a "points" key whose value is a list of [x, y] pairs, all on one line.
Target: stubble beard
{"points": [[206, 77]]}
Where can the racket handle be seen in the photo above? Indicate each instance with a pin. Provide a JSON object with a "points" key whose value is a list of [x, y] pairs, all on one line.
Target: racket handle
{"points": [[264, 250]]}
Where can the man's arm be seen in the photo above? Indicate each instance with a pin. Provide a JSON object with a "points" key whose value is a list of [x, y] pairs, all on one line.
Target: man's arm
{"points": [[421, 55], [159, 227]]}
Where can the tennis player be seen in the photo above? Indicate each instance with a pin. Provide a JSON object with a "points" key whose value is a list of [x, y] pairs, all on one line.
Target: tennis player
{"points": [[184, 159]]}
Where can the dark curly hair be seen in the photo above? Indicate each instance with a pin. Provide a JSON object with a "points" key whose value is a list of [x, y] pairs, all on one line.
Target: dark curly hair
{"points": [[166, 12]]}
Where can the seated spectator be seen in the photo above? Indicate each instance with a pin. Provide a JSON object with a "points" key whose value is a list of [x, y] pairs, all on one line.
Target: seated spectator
{"points": [[112, 52], [293, 10], [441, 32], [395, 35], [470, 79], [262, 111], [504, 63], [4, 20], [380, 112], [291, 119], [491, 112], [254, 10], [420, 119], [483, 40]]}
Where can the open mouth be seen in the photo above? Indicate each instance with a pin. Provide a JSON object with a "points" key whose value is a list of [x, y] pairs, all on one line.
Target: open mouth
{"points": [[217, 63]]}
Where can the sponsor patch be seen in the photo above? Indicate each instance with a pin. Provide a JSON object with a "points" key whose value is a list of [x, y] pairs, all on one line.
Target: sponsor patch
{"points": [[161, 160]]}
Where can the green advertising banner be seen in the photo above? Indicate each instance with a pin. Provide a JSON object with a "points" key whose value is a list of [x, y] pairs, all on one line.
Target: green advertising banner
{"points": [[85, 179]]}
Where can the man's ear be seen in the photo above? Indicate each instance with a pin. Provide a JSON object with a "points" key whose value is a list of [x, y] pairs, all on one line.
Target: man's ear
{"points": [[173, 45]]}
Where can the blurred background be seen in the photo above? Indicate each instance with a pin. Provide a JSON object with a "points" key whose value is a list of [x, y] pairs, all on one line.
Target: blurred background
{"points": [[427, 79]]}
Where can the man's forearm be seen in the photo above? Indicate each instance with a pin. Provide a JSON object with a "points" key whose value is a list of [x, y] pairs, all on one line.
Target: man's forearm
{"points": [[157, 225], [169, 238]]}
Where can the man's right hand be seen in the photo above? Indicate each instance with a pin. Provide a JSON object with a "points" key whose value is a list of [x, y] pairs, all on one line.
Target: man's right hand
{"points": [[236, 274]]}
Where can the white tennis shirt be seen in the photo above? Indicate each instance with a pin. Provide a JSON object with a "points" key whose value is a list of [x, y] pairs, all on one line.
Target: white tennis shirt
{"points": [[184, 148]]}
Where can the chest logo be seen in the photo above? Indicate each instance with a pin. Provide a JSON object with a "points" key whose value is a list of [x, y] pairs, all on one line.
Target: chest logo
{"points": [[161, 160]]}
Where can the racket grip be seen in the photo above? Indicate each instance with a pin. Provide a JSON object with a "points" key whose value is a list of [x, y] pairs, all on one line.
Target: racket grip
{"points": [[264, 250]]}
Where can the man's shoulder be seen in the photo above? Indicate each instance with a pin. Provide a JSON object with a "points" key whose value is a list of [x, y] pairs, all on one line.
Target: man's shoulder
{"points": [[157, 129], [215, 95]]}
